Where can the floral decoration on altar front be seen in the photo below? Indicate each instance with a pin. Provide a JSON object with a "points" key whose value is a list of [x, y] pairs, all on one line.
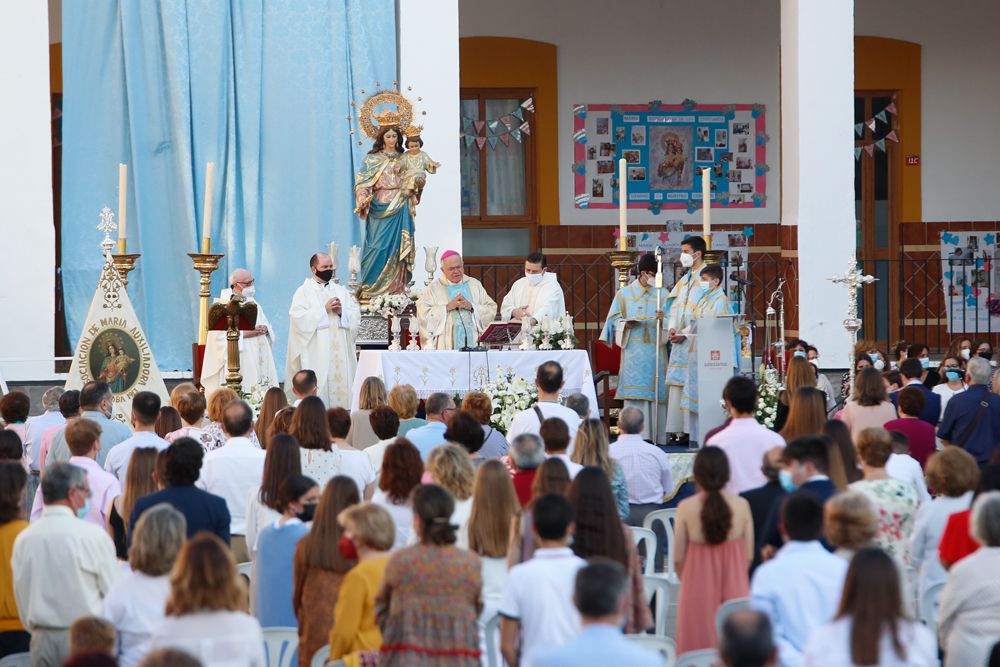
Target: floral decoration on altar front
{"points": [[255, 396], [509, 393], [389, 305], [767, 396], [549, 334]]}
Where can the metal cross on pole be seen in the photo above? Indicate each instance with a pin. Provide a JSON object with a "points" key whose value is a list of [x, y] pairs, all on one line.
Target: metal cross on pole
{"points": [[854, 280]]}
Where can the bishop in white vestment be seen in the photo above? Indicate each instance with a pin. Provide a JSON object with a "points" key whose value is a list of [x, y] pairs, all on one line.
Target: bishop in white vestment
{"points": [[537, 295], [323, 321], [454, 309], [256, 355]]}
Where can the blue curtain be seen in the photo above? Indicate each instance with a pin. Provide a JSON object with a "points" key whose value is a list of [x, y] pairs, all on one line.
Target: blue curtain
{"points": [[261, 87]]}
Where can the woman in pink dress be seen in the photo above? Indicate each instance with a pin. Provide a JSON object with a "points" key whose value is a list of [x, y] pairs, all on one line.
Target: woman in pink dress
{"points": [[713, 550]]}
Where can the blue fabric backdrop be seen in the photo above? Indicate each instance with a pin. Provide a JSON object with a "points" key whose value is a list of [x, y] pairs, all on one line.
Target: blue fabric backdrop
{"points": [[262, 88]]}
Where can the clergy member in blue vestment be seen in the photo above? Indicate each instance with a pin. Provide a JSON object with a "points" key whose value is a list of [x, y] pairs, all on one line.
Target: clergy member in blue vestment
{"points": [[632, 323], [680, 310]]}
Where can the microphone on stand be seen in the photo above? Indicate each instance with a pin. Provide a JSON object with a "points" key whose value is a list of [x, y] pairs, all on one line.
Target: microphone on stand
{"points": [[739, 280]]}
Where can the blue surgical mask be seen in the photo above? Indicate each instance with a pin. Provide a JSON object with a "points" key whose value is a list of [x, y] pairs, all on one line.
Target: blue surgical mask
{"points": [[953, 376], [785, 478], [85, 510], [925, 362], [799, 353]]}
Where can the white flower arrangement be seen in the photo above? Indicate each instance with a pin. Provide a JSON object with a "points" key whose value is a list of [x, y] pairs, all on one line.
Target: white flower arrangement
{"points": [[552, 334], [767, 396], [509, 394], [389, 305], [255, 396]]}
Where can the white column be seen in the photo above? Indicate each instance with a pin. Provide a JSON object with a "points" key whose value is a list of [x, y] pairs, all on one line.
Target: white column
{"points": [[27, 271], [428, 62], [817, 161]]}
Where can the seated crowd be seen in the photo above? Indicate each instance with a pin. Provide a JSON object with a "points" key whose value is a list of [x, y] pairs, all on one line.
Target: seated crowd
{"points": [[846, 534]]}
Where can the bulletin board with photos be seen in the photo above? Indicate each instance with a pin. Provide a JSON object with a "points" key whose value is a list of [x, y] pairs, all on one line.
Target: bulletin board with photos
{"points": [[665, 148], [970, 272]]}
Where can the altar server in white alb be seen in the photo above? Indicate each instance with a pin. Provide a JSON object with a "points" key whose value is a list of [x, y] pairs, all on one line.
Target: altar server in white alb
{"points": [[256, 355], [323, 321], [537, 295], [454, 309]]}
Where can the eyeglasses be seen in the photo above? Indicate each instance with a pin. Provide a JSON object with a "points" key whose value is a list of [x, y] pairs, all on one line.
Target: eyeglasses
{"points": [[246, 283]]}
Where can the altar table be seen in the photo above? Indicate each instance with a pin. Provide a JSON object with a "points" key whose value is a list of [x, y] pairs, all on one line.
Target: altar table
{"points": [[454, 372]]}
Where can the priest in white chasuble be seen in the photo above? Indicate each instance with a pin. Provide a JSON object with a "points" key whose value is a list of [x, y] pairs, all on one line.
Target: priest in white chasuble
{"points": [[632, 323], [323, 322], [680, 308], [454, 309], [537, 295], [256, 354]]}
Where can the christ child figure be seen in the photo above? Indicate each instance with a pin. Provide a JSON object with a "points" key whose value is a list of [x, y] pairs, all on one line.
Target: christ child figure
{"points": [[415, 164]]}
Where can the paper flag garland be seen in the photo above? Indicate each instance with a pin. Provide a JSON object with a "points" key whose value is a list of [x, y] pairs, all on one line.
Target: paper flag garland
{"points": [[525, 128], [480, 141], [892, 136], [493, 142], [870, 148], [518, 114], [506, 121], [871, 124], [859, 129], [505, 138], [881, 115], [880, 144], [480, 124]]}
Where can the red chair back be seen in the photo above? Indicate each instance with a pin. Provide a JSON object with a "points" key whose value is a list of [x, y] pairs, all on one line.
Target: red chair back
{"points": [[606, 357]]}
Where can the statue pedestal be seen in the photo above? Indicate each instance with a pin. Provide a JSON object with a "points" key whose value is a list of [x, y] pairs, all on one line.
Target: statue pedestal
{"points": [[373, 334]]}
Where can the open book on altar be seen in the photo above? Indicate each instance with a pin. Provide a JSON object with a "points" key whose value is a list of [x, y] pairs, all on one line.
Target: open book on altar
{"points": [[501, 333]]}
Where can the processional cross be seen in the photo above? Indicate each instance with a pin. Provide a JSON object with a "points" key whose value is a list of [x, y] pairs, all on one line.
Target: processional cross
{"points": [[854, 280]]}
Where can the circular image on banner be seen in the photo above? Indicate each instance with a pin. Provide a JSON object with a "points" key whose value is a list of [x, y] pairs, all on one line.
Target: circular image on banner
{"points": [[114, 358]]}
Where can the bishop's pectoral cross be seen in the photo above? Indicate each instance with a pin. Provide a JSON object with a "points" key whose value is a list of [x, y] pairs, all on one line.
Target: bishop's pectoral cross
{"points": [[854, 280]]}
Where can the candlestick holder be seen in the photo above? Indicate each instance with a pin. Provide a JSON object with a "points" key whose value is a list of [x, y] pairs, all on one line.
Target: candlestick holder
{"points": [[414, 329], [334, 279], [352, 285], [430, 263], [206, 264], [125, 264], [715, 256], [624, 262]]}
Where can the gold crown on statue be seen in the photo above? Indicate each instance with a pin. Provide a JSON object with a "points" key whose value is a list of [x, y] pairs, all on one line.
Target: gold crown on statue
{"points": [[386, 108]]}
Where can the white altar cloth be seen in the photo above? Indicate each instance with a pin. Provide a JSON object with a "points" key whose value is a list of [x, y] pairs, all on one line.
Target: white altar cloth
{"points": [[456, 372]]}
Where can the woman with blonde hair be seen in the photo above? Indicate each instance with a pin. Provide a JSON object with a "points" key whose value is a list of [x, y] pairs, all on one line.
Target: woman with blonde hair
{"points": [[135, 602], [806, 414], [204, 610], [495, 510], [371, 396], [140, 480], [869, 407], [451, 468], [800, 374], [217, 402], [849, 523], [895, 502], [274, 400], [320, 568], [479, 405], [403, 399], [591, 449], [366, 537]]}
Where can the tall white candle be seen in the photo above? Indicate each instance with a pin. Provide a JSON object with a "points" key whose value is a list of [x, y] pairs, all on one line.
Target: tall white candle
{"points": [[706, 205], [333, 254], [206, 231], [122, 199], [622, 204], [354, 259]]}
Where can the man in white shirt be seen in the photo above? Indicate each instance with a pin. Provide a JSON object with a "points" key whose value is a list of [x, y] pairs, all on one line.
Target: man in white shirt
{"points": [[39, 424], [745, 440], [549, 380], [303, 384], [62, 566], [799, 589], [555, 435], [145, 410], [232, 470], [646, 467], [537, 610], [535, 296]]}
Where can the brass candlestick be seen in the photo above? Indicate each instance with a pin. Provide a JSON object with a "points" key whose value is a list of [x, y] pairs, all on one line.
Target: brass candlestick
{"points": [[624, 262], [205, 264], [125, 263]]}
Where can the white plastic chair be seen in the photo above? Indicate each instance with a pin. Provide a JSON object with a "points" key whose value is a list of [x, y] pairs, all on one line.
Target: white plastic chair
{"points": [[656, 586], [930, 600], [16, 660], [245, 569], [492, 632], [667, 517], [646, 538], [708, 657], [321, 656], [280, 645], [727, 608], [665, 646]]}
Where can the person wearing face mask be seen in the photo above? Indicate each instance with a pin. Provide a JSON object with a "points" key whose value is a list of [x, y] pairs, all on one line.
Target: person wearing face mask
{"points": [[680, 307], [952, 380], [273, 578], [454, 309], [961, 348], [323, 320], [631, 324], [712, 302], [256, 346], [536, 295], [97, 405], [62, 565]]}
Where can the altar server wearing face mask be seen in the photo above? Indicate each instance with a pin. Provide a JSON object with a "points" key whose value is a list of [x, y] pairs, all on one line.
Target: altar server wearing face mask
{"points": [[537, 295], [256, 345]]}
